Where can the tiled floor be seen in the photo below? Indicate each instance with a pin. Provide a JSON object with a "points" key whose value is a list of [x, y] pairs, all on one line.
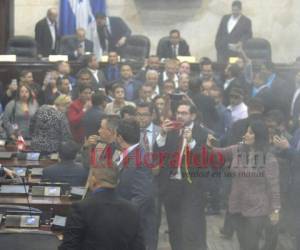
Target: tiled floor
{"points": [[215, 242]]}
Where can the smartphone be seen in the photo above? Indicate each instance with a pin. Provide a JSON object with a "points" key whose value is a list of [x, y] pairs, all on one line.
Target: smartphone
{"points": [[215, 142], [176, 125]]}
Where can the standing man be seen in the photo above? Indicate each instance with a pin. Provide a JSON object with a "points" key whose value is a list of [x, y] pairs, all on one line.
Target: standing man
{"points": [[183, 195], [103, 220], [136, 180], [46, 34], [234, 28], [77, 111], [112, 31]]}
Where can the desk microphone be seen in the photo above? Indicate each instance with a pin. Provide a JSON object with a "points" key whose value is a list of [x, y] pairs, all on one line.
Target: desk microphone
{"points": [[27, 195]]}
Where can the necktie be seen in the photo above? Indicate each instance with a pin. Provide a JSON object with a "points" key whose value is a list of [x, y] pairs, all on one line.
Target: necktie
{"points": [[146, 141], [174, 51]]}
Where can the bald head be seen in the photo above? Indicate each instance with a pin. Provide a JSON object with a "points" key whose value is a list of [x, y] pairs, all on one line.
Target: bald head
{"points": [[103, 176], [52, 14], [80, 34]]}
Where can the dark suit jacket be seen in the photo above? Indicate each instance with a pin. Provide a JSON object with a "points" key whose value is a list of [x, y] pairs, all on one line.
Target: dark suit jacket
{"points": [[91, 121], [136, 185], [43, 37], [66, 171], [172, 145], [206, 107], [241, 32], [135, 85], [72, 44], [103, 221], [118, 29], [167, 51], [111, 75]]}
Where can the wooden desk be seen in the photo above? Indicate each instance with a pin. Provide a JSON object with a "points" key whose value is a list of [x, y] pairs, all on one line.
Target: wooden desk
{"points": [[14, 162], [57, 205]]}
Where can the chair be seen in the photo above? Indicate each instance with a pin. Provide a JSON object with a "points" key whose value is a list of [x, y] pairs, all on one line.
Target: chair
{"points": [[136, 49], [160, 46], [258, 50], [28, 240], [23, 46], [64, 44]]}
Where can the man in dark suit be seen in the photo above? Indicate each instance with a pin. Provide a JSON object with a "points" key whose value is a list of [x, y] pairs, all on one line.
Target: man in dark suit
{"points": [[112, 69], [233, 29], [136, 180], [113, 32], [174, 47], [77, 46], [98, 79], [67, 170], [103, 220], [91, 119], [205, 104], [46, 34], [130, 84], [295, 102], [181, 187]]}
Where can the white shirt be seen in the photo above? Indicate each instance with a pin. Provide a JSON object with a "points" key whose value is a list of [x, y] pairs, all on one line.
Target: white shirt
{"points": [[125, 153], [232, 23], [297, 93], [108, 25], [238, 112], [150, 131], [95, 74], [52, 31], [155, 92], [227, 83], [175, 79], [161, 140], [176, 49]]}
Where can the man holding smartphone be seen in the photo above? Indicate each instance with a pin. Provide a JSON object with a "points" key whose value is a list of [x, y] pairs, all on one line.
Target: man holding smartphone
{"points": [[181, 189]]}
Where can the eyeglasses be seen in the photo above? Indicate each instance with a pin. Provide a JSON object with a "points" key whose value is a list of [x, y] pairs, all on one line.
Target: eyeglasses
{"points": [[183, 113], [234, 97], [143, 114]]}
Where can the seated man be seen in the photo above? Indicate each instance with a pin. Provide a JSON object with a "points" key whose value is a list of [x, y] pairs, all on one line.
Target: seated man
{"points": [[103, 220], [77, 46], [67, 170], [174, 47], [129, 82]]}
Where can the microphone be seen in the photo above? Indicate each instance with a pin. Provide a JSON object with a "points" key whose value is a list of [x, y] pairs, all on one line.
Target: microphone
{"points": [[27, 195]]}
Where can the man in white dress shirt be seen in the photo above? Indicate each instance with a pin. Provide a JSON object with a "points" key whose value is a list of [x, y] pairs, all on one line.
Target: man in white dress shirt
{"points": [[46, 34], [238, 108], [234, 28]]}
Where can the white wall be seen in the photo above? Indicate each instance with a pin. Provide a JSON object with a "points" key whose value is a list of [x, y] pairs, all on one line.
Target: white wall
{"points": [[276, 20]]}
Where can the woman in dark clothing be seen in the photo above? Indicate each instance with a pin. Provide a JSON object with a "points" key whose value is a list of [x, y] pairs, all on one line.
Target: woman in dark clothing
{"points": [[254, 198]]}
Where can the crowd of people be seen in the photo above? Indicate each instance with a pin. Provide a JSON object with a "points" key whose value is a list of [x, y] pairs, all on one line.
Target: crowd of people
{"points": [[138, 138]]}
